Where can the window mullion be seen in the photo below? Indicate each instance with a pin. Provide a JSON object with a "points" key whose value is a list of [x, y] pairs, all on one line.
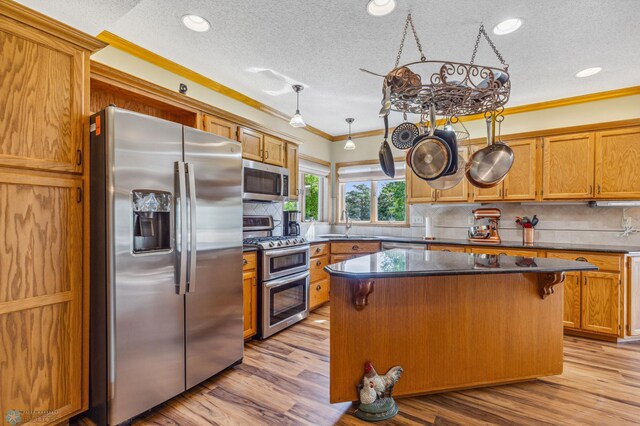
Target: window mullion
{"points": [[374, 202]]}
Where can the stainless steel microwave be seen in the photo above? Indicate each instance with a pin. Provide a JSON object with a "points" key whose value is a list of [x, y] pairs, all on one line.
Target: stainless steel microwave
{"points": [[263, 182]]}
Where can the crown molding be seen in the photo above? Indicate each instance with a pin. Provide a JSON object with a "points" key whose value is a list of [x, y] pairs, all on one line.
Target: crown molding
{"points": [[591, 97], [162, 62]]}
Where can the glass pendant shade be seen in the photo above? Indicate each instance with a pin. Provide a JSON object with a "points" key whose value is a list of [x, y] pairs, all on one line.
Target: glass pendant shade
{"points": [[350, 145], [297, 121]]}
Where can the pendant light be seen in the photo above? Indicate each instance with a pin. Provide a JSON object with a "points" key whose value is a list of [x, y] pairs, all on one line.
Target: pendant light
{"points": [[350, 145], [296, 120]]}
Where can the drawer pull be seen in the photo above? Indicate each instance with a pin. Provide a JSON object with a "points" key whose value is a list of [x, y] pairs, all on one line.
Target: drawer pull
{"points": [[581, 259], [318, 263], [318, 249], [318, 287], [447, 250], [355, 247], [244, 261]]}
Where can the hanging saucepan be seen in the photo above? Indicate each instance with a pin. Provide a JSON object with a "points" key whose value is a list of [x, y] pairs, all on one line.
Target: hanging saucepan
{"points": [[385, 156], [489, 166], [430, 155], [403, 135]]}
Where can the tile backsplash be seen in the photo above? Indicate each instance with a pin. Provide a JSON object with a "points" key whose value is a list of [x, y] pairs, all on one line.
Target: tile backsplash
{"points": [[251, 208], [566, 223]]}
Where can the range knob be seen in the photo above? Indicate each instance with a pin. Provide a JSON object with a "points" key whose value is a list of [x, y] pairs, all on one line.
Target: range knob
{"points": [[279, 243], [287, 242], [271, 244]]}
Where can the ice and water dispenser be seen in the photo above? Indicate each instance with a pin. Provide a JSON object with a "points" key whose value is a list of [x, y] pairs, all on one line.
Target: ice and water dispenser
{"points": [[151, 221]]}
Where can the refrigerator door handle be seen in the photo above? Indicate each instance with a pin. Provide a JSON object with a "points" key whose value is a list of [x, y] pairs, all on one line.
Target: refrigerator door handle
{"points": [[193, 228], [181, 227]]}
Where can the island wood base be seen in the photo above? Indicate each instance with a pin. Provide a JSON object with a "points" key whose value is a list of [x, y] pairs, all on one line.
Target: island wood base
{"points": [[447, 332]]}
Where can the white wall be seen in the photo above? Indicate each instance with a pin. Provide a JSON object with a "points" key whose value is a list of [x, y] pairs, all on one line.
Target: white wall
{"points": [[313, 145]]}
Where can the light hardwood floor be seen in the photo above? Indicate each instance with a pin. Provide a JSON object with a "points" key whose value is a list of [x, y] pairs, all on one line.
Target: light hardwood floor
{"points": [[285, 381]]}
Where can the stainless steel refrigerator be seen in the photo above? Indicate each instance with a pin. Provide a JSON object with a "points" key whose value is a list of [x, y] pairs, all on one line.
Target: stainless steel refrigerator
{"points": [[166, 261]]}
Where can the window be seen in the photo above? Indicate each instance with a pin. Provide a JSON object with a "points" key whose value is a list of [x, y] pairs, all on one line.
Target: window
{"points": [[314, 194], [369, 196]]}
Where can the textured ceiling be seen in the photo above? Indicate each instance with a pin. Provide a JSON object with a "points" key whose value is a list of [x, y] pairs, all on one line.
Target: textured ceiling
{"points": [[259, 47]]}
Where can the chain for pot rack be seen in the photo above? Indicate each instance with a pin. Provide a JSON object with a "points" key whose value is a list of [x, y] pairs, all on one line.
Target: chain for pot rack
{"points": [[455, 89]]}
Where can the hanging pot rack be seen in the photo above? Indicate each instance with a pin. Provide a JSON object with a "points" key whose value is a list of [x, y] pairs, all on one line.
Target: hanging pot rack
{"points": [[455, 89]]}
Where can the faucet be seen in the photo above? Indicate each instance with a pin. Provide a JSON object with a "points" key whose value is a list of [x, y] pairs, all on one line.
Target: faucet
{"points": [[347, 220]]}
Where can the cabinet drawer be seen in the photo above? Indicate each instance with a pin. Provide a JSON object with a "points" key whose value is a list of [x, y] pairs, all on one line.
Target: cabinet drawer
{"points": [[606, 262], [444, 247], [249, 261], [319, 250], [318, 293], [337, 258], [355, 247], [507, 252], [317, 268]]}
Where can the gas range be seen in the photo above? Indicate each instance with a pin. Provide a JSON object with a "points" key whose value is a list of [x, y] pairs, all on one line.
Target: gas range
{"points": [[274, 242]]}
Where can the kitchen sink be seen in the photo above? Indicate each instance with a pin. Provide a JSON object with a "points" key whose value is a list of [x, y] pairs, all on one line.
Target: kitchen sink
{"points": [[353, 236]]}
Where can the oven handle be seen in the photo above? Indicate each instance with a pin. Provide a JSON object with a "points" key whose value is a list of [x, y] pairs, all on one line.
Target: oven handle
{"points": [[286, 250], [286, 280]]}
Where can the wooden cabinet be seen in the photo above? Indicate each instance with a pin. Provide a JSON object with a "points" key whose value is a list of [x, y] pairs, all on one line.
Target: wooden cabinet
{"points": [[44, 105], [601, 302], [504, 251], [252, 143], [568, 166], [220, 127], [42, 98], [319, 279], [520, 182], [418, 191], [274, 151], [337, 258], [355, 247], [250, 294], [617, 156], [444, 247], [571, 313], [293, 166], [633, 297]]}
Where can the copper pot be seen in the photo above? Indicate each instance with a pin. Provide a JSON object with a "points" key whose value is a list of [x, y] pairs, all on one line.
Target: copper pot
{"points": [[401, 79]]}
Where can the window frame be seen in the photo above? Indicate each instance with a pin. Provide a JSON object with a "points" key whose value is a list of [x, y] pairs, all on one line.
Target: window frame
{"points": [[373, 205], [324, 187]]}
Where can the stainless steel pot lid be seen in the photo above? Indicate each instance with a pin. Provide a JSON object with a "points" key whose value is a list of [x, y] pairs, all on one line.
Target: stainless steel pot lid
{"points": [[429, 158]]}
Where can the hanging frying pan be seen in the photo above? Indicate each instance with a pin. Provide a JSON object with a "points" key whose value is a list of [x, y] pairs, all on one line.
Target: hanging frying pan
{"points": [[489, 166], [385, 156], [404, 135], [451, 140], [450, 181], [430, 155]]}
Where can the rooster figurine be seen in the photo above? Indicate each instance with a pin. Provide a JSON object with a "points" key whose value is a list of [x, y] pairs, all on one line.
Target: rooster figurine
{"points": [[382, 383], [376, 402]]}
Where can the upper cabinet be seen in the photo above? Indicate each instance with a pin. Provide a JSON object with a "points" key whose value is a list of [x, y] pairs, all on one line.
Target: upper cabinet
{"points": [[274, 151], [617, 155], [252, 144], [568, 166], [460, 192], [221, 127], [293, 166], [418, 191], [42, 98]]}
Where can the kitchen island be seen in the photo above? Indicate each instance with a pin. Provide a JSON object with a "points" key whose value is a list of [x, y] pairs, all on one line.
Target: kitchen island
{"points": [[451, 320]]}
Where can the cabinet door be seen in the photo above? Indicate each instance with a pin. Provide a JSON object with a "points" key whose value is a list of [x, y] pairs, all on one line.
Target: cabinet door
{"points": [[318, 293], [504, 251], [252, 144], [617, 158], [221, 127], [250, 303], [571, 314], [41, 320], [520, 183], [568, 166], [41, 100], [633, 297], [442, 247], [292, 165], [274, 151], [337, 258], [417, 190], [601, 302]]}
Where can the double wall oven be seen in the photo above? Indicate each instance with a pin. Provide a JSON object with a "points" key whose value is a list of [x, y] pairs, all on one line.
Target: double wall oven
{"points": [[283, 290]]}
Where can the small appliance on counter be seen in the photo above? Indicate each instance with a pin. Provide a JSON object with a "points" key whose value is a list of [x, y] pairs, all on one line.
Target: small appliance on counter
{"points": [[283, 275], [291, 223], [487, 232]]}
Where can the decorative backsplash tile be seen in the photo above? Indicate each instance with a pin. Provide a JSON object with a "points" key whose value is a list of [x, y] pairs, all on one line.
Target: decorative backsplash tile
{"points": [[251, 208]]}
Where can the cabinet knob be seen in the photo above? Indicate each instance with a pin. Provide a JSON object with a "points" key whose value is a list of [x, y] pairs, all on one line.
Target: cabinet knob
{"points": [[355, 247], [598, 188], [266, 154], [318, 263], [318, 287], [244, 261], [318, 249], [581, 259]]}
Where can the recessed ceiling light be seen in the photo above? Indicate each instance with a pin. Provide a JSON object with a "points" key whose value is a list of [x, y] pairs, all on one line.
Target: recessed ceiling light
{"points": [[380, 7], [588, 72], [196, 23], [508, 26]]}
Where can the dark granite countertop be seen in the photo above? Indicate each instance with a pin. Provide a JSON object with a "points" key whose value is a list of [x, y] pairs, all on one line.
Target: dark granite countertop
{"points": [[626, 249], [417, 263]]}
